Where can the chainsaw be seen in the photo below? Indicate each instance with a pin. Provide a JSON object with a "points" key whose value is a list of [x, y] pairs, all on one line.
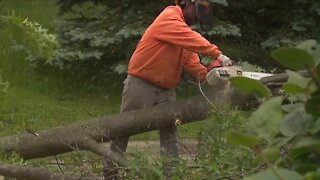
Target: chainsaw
{"points": [[232, 71], [218, 74]]}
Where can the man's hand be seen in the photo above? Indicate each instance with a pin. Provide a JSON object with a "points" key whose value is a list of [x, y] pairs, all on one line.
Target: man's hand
{"points": [[221, 61], [225, 60], [214, 64]]}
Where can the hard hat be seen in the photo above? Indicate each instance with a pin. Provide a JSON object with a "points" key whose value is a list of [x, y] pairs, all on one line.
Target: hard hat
{"points": [[203, 12]]}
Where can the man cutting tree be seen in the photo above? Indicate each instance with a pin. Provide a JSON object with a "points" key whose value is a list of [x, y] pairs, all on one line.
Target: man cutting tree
{"points": [[168, 47]]}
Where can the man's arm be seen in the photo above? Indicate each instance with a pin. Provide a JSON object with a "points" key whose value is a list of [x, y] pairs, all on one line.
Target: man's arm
{"points": [[192, 65], [172, 29]]}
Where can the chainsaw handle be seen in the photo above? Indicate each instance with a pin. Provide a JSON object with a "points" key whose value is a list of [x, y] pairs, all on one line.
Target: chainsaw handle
{"points": [[216, 64]]}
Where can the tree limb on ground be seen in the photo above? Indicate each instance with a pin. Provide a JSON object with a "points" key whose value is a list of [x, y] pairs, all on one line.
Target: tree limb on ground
{"points": [[21, 172], [74, 136], [86, 135]]}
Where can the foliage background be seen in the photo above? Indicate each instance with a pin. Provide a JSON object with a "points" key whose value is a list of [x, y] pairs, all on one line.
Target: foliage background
{"points": [[80, 77]]}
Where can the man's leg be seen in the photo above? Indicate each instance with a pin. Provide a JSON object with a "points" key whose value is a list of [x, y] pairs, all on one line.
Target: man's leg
{"points": [[169, 149], [110, 170], [137, 94], [168, 137]]}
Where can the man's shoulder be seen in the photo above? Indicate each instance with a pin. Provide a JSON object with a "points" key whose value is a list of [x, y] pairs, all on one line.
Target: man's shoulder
{"points": [[171, 8], [172, 11]]}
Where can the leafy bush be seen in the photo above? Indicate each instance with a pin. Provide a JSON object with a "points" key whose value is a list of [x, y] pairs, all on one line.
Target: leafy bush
{"points": [[35, 40], [101, 34], [290, 127], [299, 24], [215, 158]]}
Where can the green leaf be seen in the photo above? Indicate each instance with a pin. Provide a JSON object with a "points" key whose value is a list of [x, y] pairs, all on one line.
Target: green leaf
{"points": [[298, 152], [318, 72], [312, 47], [307, 45], [295, 122], [316, 54], [266, 119], [293, 58], [315, 128], [238, 138], [309, 143], [297, 84], [297, 79], [313, 104], [304, 167], [291, 107], [247, 85], [272, 154], [270, 175], [292, 89], [304, 146], [312, 176]]}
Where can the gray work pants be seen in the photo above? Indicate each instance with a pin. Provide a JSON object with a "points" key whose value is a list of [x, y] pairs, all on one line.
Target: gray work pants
{"points": [[139, 94]]}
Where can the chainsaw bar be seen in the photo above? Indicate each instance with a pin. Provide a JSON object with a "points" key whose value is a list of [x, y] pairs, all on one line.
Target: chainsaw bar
{"points": [[233, 71]]}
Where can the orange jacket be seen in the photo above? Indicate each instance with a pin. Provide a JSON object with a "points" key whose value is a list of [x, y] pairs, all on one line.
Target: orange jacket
{"points": [[167, 47]]}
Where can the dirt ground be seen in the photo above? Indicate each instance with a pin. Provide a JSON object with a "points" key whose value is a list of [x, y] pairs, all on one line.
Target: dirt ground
{"points": [[186, 146]]}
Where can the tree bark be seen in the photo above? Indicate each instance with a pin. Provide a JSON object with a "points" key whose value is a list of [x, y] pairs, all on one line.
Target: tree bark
{"points": [[21, 172], [81, 135], [75, 136], [86, 135]]}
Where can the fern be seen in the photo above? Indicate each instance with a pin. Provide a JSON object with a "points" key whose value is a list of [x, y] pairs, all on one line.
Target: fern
{"points": [[36, 40]]}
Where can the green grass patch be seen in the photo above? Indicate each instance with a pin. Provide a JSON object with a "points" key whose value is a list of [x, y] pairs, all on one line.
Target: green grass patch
{"points": [[187, 131], [22, 108], [42, 11], [45, 98]]}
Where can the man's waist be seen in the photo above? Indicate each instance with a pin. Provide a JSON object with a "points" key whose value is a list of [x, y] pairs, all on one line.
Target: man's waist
{"points": [[164, 83]]}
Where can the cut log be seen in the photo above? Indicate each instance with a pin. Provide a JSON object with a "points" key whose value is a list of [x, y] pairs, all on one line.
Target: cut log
{"points": [[86, 135], [30, 173], [74, 136], [80, 135]]}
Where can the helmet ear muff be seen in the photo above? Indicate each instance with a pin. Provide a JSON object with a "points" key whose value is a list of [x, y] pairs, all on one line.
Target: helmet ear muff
{"points": [[204, 14], [182, 4]]}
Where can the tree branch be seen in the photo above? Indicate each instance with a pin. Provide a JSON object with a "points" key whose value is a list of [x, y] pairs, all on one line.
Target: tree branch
{"points": [[29, 173], [101, 150], [60, 139], [88, 134]]}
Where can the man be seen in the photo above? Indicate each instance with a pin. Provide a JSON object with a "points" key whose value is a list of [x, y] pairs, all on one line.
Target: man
{"points": [[168, 47]]}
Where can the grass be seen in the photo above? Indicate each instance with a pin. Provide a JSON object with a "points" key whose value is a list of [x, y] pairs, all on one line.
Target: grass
{"points": [[188, 131], [41, 11], [45, 100], [24, 108], [48, 99]]}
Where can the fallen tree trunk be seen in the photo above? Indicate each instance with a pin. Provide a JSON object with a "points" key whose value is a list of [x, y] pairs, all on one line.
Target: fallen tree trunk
{"points": [[75, 136], [21, 172], [82, 135], [87, 135], [281, 78]]}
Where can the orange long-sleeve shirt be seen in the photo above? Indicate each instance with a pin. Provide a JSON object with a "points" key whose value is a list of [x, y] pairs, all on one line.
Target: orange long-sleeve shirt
{"points": [[167, 47]]}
